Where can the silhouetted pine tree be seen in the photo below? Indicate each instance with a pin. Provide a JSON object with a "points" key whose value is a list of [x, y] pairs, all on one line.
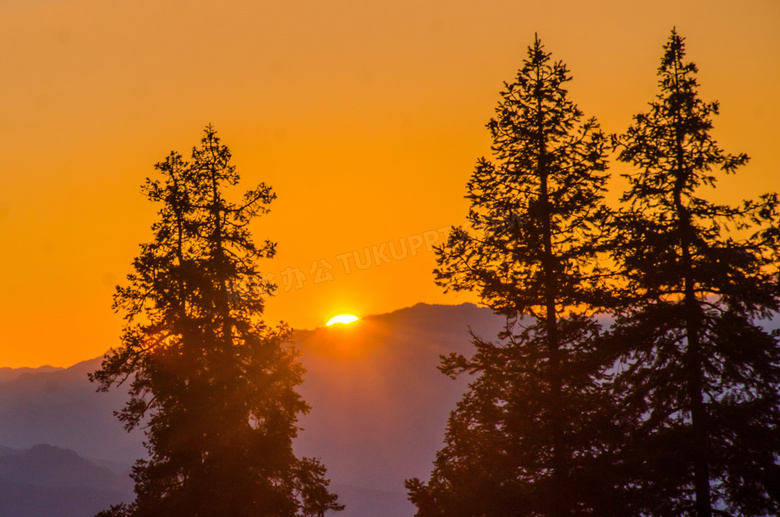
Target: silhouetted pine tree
{"points": [[213, 386], [699, 376], [527, 437]]}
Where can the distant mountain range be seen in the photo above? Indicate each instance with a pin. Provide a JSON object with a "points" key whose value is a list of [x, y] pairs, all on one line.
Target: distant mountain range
{"points": [[47, 481], [9, 374], [379, 411], [62, 408]]}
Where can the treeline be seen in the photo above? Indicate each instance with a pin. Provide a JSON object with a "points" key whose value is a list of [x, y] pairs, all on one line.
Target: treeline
{"points": [[670, 409]]}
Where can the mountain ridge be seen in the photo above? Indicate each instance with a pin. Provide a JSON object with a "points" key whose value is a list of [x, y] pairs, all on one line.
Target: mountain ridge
{"points": [[379, 406]]}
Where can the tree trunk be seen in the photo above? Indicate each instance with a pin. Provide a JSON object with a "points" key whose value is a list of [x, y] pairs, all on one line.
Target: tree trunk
{"points": [[693, 358], [560, 505]]}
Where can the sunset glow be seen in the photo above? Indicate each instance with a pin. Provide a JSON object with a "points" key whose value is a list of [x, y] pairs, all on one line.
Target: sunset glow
{"points": [[558, 221], [342, 318], [376, 150]]}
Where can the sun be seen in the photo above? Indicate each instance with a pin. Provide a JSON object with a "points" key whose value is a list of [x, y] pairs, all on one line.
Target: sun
{"points": [[342, 318]]}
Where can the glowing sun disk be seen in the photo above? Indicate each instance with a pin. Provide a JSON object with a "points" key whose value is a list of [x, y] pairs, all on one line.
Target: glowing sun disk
{"points": [[342, 318]]}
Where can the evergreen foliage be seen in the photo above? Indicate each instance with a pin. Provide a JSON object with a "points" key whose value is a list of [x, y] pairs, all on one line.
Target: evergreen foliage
{"points": [[527, 439], [212, 385], [698, 376]]}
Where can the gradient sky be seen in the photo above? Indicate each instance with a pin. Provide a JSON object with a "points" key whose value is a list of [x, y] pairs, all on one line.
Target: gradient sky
{"points": [[365, 116]]}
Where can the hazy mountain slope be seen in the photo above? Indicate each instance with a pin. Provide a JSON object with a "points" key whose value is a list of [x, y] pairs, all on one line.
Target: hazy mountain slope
{"points": [[369, 502], [379, 410], [19, 500], [48, 481], [47, 465], [9, 374], [62, 408], [379, 405]]}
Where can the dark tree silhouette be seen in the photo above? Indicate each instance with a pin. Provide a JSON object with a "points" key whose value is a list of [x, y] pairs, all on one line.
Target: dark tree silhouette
{"points": [[528, 436], [699, 376], [212, 385]]}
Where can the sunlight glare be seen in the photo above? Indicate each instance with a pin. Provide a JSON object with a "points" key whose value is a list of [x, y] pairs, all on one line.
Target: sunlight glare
{"points": [[342, 318]]}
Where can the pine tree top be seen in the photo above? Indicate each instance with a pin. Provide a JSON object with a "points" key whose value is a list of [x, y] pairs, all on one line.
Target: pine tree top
{"points": [[546, 182]]}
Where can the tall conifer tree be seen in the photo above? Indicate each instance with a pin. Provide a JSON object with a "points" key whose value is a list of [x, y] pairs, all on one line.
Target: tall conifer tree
{"points": [[213, 385], [526, 438], [699, 375]]}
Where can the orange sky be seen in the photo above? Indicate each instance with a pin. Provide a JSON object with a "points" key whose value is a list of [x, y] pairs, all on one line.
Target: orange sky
{"points": [[365, 116]]}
